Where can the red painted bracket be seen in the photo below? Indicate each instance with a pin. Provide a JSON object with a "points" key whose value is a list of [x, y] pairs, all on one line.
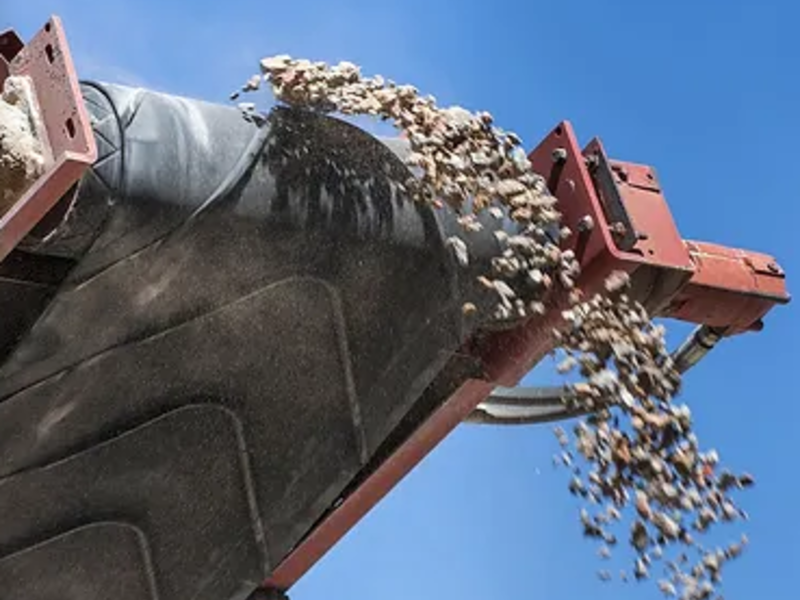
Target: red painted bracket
{"points": [[731, 289], [620, 222], [632, 230], [67, 135]]}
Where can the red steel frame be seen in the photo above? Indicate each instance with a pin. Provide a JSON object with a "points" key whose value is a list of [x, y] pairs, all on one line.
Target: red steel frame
{"points": [[691, 281], [67, 135]]}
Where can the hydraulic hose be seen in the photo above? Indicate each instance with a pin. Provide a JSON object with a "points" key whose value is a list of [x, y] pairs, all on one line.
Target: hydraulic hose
{"points": [[534, 405]]}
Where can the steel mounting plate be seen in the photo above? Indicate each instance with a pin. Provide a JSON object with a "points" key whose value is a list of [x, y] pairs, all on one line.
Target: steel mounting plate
{"points": [[67, 135]]}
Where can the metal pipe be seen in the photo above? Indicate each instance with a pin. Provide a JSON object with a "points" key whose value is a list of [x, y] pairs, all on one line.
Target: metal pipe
{"points": [[521, 406], [699, 343], [534, 405]]}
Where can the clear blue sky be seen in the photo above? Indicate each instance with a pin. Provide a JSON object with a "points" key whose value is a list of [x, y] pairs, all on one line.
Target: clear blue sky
{"points": [[707, 91]]}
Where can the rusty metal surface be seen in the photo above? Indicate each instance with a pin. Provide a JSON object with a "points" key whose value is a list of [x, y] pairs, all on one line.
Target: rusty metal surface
{"points": [[658, 262], [68, 138], [731, 288], [570, 182], [657, 241]]}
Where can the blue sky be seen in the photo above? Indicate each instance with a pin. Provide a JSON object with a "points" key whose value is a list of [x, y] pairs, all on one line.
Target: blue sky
{"points": [[708, 92]]}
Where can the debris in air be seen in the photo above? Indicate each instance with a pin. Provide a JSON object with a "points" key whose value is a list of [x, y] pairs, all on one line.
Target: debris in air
{"points": [[645, 463]]}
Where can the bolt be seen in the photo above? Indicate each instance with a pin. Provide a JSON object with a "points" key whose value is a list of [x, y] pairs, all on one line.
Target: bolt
{"points": [[585, 226], [617, 228], [586, 223], [559, 155]]}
